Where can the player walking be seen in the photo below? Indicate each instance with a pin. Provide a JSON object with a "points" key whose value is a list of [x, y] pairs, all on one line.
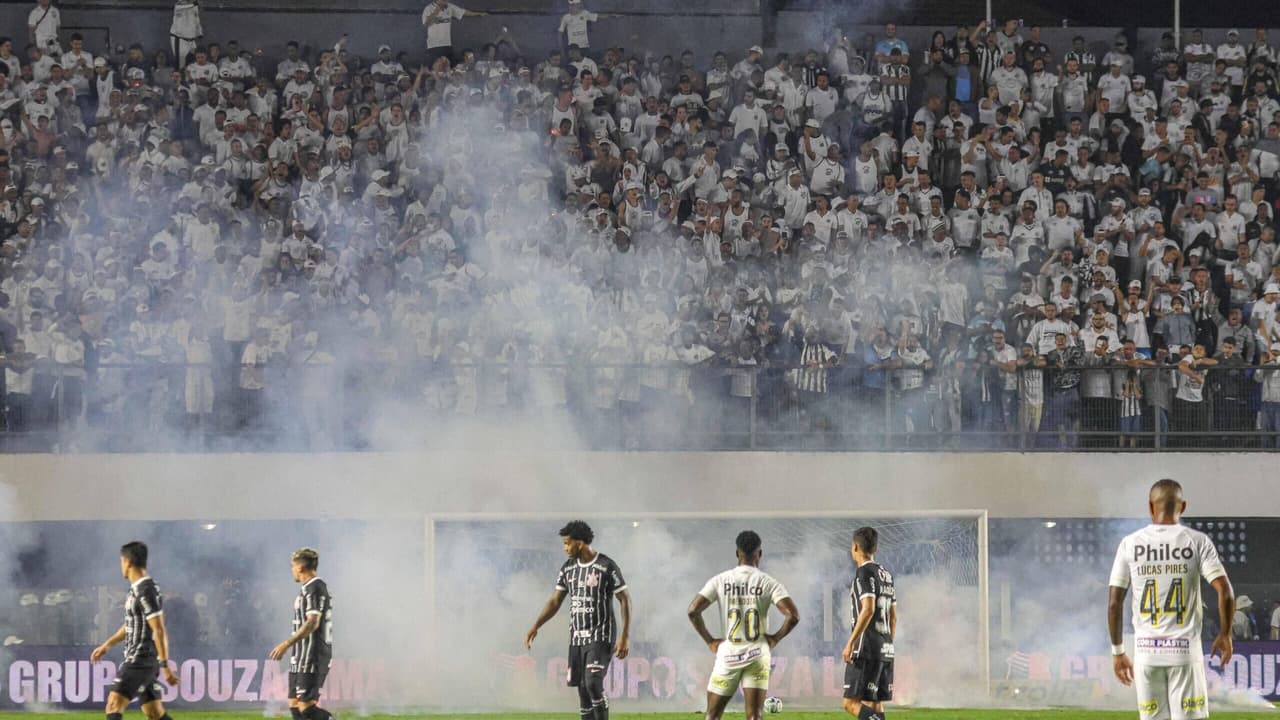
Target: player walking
{"points": [[312, 638], [590, 580], [146, 644], [745, 595], [868, 676], [1164, 562]]}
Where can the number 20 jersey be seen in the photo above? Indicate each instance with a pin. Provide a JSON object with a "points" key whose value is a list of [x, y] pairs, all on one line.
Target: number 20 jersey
{"points": [[745, 595], [1162, 566]]}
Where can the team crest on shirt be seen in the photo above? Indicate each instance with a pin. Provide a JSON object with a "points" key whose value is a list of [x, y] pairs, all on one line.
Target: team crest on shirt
{"points": [[593, 579]]}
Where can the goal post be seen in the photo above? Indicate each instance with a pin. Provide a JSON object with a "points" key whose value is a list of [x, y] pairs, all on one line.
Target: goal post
{"points": [[488, 575]]}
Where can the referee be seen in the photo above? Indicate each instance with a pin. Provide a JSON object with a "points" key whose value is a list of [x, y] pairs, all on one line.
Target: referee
{"points": [[590, 580]]}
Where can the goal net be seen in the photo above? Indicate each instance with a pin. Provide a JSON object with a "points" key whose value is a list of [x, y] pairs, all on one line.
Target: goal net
{"points": [[489, 576]]}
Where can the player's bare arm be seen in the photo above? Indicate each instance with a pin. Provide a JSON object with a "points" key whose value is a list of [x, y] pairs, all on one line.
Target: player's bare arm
{"points": [[161, 639], [866, 612], [623, 647], [552, 607], [893, 621], [1222, 645], [311, 625], [790, 618], [696, 609], [116, 638], [1120, 663]]}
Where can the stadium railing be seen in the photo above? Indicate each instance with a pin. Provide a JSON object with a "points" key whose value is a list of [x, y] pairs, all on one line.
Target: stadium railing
{"points": [[115, 407]]}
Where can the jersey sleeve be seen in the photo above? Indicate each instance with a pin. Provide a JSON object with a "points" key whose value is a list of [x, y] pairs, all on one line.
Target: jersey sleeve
{"points": [[590, 16], [865, 583], [711, 591], [562, 582], [779, 593], [564, 23], [314, 599], [1120, 568], [150, 600], [1210, 564], [616, 581]]}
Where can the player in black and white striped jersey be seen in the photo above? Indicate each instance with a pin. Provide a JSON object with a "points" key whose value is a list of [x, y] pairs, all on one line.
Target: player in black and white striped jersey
{"points": [[868, 676], [312, 639], [146, 644], [591, 581]]}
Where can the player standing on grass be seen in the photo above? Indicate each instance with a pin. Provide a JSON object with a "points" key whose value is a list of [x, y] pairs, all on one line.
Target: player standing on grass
{"points": [[146, 644], [868, 676], [745, 595], [312, 639], [590, 580], [1164, 562]]}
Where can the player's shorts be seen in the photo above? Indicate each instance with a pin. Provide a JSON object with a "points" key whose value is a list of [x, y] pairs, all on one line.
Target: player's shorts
{"points": [[870, 677], [305, 687], [139, 679], [740, 666], [590, 659], [1177, 692]]}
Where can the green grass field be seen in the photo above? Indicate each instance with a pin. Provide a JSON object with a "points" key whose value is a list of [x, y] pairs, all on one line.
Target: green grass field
{"points": [[832, 715]]}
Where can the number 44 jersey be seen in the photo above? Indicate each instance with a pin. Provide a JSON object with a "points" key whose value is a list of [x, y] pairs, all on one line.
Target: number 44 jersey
{"points": [[745, 595], [1162, 566]]}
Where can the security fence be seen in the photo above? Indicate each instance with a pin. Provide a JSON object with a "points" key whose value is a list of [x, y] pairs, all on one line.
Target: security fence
{"points": [[328, 405]]}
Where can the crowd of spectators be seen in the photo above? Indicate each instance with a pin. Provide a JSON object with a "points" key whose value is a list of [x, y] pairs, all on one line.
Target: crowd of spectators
{"points": [[987, 234]]}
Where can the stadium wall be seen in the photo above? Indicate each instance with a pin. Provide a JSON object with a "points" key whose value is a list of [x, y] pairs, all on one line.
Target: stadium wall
{"points": [[407, 485], [661, 26]]}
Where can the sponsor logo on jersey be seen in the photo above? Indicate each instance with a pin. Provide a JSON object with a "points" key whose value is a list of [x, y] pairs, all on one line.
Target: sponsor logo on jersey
{"points": [[738, 590], [1162, 646], [1158, 553], [744, 656]]}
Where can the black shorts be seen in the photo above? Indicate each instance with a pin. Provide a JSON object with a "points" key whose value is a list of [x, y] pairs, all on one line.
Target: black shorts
{"points": [[436, 53], [587, 660], [305, 687], [869, 678], [139, 679]]}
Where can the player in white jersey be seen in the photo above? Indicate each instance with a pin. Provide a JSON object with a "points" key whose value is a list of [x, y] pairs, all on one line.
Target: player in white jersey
{"points": [[1164, 562], [745, 595]]}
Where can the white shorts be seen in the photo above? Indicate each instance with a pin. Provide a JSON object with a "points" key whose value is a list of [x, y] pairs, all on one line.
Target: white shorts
{"points": [[747, 667], [1178, 692]]}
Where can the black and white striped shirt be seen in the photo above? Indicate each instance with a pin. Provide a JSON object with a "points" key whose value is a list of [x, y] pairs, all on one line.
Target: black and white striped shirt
{"points": [[894, 71], [591, 587], [140, 605], [313, 653]]}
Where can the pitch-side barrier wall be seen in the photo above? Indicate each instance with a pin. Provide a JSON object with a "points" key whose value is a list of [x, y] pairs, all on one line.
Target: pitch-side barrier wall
{"points": [[404, 485]]}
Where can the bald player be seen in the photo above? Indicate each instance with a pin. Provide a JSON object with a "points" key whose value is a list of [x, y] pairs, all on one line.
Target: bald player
{"points": [[1164, 562]]}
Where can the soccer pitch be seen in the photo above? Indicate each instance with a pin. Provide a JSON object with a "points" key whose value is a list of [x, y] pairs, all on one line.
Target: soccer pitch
{"points": [[801, 715]]}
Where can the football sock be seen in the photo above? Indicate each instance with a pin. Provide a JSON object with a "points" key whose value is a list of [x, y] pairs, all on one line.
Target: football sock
{"points": [[297, 714], [315, 712], [115, 716], [866, 713], [600, 709]]}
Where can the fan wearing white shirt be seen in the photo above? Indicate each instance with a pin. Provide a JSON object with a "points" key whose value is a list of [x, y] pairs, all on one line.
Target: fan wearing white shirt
{"points": [[437, 18], [1164, 564], [573, 24]]}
